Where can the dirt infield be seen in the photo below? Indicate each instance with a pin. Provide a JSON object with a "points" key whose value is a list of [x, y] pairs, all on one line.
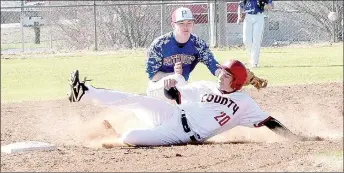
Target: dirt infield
{"points": [[307, 109]]}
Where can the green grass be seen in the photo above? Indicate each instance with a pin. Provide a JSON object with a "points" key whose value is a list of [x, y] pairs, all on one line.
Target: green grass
{"points": [[26, 45], [336, 154], [43, 44], [44, 77]]}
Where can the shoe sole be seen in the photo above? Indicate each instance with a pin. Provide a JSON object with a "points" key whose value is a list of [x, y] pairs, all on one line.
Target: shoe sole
{"points": [[74, 79]]}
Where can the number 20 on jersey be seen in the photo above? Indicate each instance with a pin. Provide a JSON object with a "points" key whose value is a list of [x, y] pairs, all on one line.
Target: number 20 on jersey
{"points": [[222, 119]]}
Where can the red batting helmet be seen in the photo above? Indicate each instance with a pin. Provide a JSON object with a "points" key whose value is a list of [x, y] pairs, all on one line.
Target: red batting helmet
{"points": [[238, 72]]}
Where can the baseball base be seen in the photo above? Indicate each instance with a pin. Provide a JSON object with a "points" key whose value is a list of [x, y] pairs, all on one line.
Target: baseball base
{"points": [[27, 146]]}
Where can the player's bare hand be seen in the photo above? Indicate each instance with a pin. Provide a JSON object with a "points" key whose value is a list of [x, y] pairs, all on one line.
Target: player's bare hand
{"points": [[169, 83], [268, 7], [178, 69], [241, 18]]}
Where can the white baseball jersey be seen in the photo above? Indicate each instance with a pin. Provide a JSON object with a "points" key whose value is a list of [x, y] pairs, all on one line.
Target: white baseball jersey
{"points": [[210, 112]]}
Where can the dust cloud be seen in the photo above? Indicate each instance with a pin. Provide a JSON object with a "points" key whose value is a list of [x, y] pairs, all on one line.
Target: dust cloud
{"points": [[72, 129], [308, 123]]}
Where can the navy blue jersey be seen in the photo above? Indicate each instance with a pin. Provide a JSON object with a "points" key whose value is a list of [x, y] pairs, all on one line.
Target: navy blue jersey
{"points": [[164, 52], [251, 6]]}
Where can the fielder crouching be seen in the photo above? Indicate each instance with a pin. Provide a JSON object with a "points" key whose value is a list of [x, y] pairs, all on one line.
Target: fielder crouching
{"points": [[204, 110]]}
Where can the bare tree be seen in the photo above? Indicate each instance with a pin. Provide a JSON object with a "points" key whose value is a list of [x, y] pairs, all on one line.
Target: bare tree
{"points": [[118, 25], [317, 12], [71, 26], [131, 26]]}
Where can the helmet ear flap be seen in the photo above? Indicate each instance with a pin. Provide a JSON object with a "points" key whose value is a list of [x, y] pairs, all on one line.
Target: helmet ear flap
{"points": [[236, 85]]}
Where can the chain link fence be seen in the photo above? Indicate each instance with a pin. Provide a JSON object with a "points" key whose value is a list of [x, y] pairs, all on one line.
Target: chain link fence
{"points": [[31, 26]]}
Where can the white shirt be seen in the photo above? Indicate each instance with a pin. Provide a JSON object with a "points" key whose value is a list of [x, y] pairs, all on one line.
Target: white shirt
{"points": [[210, 112]]}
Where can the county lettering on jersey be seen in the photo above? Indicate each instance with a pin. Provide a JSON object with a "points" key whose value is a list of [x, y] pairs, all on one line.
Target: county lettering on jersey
{"points": [[210, 112], [220, 100], [164, 52]]}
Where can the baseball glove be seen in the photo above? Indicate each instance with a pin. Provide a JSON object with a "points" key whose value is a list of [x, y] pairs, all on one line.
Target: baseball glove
{"points": [[257, 82]]}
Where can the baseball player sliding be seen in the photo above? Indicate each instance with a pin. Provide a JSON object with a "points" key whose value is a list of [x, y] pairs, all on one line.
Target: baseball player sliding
{"points": [[204, 109], [179, 52]]}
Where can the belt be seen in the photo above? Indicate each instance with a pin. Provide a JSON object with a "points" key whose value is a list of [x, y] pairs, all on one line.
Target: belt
{"points": [[253, 12], [186, 126]]}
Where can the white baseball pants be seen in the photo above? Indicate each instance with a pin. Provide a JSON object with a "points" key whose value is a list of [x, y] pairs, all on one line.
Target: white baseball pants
{"points": [[163, 119], [253, 27], [156, 89]]}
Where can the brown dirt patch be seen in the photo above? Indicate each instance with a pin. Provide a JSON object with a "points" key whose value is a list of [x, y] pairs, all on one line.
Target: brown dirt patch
{"points": [[307, 109]]}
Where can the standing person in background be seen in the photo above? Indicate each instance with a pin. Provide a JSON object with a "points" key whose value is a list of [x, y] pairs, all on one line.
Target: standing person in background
{"points": [[251, 13]]}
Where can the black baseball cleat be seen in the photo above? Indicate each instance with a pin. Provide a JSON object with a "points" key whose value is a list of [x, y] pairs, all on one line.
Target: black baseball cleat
{"points": [[77, 88]]}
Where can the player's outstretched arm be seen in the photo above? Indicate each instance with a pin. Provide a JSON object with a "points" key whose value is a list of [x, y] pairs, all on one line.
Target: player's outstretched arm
{"points": [[281, 130], [207, 57]]}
